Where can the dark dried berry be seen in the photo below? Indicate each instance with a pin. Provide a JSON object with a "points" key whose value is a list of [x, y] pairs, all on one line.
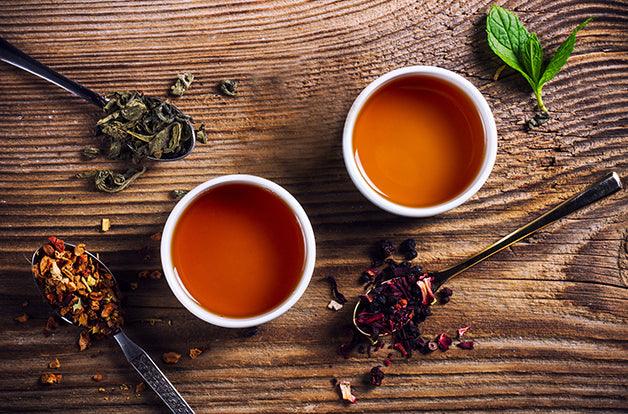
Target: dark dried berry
{"points": [[382, 250], [408, 249], [376, 376], [444, 295]]}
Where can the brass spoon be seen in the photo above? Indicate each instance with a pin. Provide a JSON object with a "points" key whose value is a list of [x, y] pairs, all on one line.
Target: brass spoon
{"points": [[14, 56], [136, 356], [605, 187]]}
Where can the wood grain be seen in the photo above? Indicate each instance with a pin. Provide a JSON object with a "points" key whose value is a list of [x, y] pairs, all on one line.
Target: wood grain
{"points": [[549, 315]]}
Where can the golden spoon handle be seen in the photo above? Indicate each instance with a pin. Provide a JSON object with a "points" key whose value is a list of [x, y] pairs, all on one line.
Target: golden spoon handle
{"points": [[607, 186]]}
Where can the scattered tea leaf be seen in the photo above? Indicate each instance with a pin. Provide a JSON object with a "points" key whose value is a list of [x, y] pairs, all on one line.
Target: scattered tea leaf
{"points": [[201, 135], [112, 182], [171, 357], [22, 318], [182, 84], [90, 152], [105, 225], [228, 87], [194, 352], [178, 194], [54, 364], [537, 120], [49, 378]]}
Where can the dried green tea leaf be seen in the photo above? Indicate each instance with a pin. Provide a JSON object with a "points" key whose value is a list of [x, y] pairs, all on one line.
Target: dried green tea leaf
{"points": [[201, 135], [111, 182], [178, 194], [228, 87], [182, 84], [91, 152], [135, 126]]}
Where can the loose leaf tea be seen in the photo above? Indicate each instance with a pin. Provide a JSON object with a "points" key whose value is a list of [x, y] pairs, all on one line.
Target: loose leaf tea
{"points": [[182, 84], [109, 181], [509, 39], [137, 126], [73, 283], [228, 87]]}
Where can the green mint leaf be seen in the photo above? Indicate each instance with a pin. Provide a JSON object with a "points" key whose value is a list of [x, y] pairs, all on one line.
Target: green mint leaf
{"points": [[532, 58], [507, 37], [561, 55]]}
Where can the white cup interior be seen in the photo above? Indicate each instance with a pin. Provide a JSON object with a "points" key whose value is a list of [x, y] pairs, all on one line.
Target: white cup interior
{"points": [[490, 137], [187, 300]]}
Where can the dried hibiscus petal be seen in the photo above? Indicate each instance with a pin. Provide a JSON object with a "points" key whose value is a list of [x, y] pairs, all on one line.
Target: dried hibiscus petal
{"points": [[461, 331], [333, 285], [465, 344], [444, 341], [58, 244]]}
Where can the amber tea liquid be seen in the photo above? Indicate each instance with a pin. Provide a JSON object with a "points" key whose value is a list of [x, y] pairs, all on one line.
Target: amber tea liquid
{"points": [[239, 250], [419, 141]]}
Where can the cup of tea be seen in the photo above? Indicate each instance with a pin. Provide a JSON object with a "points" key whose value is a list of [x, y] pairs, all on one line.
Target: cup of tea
{"points": [[238, 251], [419, 141]]}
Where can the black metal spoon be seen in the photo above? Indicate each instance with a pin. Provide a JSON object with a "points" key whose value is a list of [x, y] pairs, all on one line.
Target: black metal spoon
{"points": [[14, 56], [136, 356], [605, 187]]}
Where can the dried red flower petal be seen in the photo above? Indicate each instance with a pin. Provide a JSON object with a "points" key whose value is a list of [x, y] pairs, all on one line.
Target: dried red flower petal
{"points": [[58, 244], [49, 378], [461, 331], [444, 341], [465, 344], [171, 357], [376, 376], [333, 285]]}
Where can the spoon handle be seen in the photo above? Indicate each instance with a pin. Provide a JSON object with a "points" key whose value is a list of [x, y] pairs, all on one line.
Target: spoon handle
{"points": [[153, 376], [14, 56], [607, 186]]}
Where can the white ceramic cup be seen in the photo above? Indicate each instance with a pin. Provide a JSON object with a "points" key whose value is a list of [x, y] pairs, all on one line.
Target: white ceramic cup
{"points": [[490, 139], [187, 300]]}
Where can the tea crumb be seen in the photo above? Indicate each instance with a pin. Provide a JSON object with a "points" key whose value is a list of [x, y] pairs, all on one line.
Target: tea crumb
{"points": [[97, 377], [102, 389], [105, 225], [171, 357], [50, 326], [133, 285], [143, 274], [84, 340], [139, 388], [22, 318], [54, 364], [228, 87], [178, 194], [345, 392], [194, 352], [25, 303], [155, 275], [156, 236], [49, 378], [182, 84], [333, 305], [498, 72], [124, 387]]}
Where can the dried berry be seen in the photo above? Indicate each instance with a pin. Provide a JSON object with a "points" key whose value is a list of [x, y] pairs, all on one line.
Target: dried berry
{"points": [[49, 378], [444, 295], [333, 285], [171, 357], [97, 377], [382, 250], [376, 376], [194, 352], [408, 249]]}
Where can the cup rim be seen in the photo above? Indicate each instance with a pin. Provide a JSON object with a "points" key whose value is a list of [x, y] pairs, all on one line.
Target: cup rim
{"points": [[179, 290], [490, 136]]}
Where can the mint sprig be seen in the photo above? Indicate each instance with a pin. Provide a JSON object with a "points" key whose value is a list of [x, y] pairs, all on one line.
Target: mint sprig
{"points": [[509, 39]]}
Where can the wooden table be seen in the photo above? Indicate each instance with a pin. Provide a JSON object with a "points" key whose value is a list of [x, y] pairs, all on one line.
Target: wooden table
{"points": [[549, 315]]}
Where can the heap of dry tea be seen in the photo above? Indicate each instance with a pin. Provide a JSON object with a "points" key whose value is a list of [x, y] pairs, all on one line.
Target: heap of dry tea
{"points": [[73, 283]]}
